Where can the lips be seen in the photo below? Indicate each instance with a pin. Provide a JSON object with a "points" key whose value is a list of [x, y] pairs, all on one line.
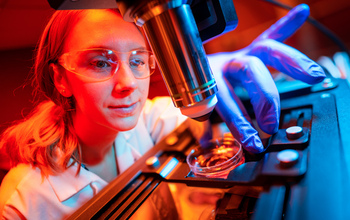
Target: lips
{"points": [[124, 110]]}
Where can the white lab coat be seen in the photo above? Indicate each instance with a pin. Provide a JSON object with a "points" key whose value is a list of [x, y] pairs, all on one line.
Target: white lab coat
{"points": [[24, 194]]}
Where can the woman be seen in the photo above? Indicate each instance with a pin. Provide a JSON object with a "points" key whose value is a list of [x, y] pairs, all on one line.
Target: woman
{"points": [[92, 70]]}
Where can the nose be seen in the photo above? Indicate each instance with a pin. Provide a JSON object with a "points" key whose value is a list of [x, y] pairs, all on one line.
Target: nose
{"points": [[125, 82]]}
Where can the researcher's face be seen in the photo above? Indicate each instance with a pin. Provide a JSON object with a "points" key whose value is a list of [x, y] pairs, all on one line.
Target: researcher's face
{"points": [[116, 103]]}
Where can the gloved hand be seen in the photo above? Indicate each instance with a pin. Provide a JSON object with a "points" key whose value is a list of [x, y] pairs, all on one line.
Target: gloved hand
{"points": [[247, 67]]}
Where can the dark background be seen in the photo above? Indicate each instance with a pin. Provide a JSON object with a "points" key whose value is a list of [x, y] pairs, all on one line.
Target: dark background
{"points": [[22, 21]]}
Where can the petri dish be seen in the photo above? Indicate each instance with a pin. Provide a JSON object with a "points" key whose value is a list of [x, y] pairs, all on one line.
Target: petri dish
{"points": [[216, 158]]}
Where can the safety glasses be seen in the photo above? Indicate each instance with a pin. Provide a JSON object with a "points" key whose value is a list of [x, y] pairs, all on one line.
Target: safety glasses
{"points": [[101, 64]]}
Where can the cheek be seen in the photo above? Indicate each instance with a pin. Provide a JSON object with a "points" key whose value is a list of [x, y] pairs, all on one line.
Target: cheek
{"points": [[144, 87], [88, 95]]}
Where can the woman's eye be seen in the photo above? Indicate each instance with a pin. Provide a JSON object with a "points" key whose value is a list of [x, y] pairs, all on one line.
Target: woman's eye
{"points": [[100, 64], [137, 63]]}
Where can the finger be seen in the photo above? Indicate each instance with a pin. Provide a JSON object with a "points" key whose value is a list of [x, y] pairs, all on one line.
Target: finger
{"points": [[288, 60], [287, 25], [251, 72], [232, 111]]}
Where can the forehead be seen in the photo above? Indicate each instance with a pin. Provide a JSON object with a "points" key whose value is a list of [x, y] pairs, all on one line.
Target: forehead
{"points": [[104, 28]]}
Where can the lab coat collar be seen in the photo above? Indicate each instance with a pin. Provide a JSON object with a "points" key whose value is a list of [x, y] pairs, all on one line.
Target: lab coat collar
{"points": [[126, 135], [67, 184]]}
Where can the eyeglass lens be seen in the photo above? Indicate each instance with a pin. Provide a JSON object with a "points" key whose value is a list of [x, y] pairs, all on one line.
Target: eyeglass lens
{"points": [[102, 63]]}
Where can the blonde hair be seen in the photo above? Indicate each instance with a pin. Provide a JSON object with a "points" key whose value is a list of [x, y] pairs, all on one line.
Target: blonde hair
{"points": [[46, 138], [33, 140]]}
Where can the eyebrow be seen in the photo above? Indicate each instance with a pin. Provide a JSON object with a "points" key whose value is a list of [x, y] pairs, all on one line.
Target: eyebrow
{"points": [[140, 48], [104, 47]]}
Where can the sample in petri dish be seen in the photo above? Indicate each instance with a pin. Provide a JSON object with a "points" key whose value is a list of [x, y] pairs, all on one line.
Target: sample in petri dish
{"points": [[216, 158]]}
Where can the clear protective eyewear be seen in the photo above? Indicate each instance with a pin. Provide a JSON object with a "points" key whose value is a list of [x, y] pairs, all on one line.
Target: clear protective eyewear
{"points": [[101, 64]]}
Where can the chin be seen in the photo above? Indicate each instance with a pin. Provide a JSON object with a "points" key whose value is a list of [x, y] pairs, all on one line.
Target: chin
{"points": [[126, 124]]}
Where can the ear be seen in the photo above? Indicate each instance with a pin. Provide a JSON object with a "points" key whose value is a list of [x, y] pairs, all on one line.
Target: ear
{"points": [[60, 81]]}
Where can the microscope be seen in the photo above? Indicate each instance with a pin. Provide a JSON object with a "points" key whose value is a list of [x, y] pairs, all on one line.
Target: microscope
{"points": [[314, 186]]}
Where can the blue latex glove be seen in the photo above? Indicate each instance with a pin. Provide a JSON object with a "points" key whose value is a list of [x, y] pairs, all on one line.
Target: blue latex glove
{"points": [[247, 67]]}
